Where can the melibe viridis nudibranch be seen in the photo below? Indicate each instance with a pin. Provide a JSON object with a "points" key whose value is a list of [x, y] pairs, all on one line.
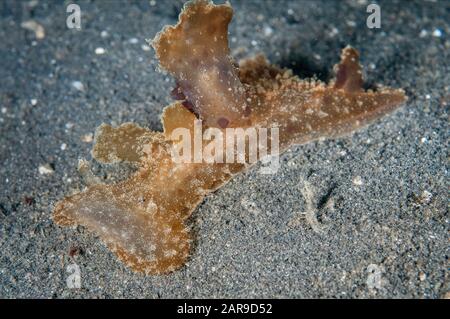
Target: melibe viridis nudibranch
{"points": [[142, 219]]}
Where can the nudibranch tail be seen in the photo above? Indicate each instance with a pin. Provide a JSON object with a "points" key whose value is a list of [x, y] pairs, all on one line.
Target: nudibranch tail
{"points": [[125, 218]]}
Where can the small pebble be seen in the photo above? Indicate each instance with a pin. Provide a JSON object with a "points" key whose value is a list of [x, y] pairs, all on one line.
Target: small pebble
{"points": [[145, 47], [45, 169], [425, 197], [104, 34], [423, 33], [268, 31], [437, 33], [100, 51], [133, 40], [39, 31], [33, 102], [357, 180], [334, 32], [87, 138], [63, 146], [78, 85]]}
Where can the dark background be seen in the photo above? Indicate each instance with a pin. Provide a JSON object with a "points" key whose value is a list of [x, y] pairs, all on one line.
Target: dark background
{"points": [[250, 240]]}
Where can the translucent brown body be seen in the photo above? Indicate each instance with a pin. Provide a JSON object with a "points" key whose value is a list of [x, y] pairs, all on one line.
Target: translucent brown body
{"points": [[143, 218]]}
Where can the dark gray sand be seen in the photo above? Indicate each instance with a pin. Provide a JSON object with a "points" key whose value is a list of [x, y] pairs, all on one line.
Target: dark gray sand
{"points": [[377, 224]]}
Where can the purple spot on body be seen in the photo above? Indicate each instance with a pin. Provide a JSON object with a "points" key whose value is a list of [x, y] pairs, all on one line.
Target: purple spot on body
{"points": [[247, 111], [223, 122], [188, 105], [191, 107], [341, 77], [177, 94]]}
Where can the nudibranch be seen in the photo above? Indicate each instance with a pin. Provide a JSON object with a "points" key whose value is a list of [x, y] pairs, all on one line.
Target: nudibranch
{"points": [[142, 219]]}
